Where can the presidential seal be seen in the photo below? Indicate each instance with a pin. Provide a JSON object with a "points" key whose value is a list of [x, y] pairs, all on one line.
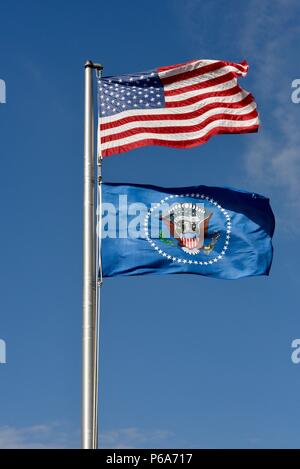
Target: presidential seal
{"points": [[195, 229], [188, 224]]}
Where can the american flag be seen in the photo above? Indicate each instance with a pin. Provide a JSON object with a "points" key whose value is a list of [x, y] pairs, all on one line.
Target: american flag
{"points": [[178, 106]]}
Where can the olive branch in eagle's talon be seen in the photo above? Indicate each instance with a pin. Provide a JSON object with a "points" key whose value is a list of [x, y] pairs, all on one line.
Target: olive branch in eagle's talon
{"points": [[166, 240]]}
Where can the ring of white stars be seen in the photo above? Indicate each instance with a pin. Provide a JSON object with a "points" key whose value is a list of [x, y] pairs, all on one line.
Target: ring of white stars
{"points": [[181, 260]]}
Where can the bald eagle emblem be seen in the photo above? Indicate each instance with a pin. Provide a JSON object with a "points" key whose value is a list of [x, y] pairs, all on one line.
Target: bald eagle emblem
{"points": [[188, 224]]}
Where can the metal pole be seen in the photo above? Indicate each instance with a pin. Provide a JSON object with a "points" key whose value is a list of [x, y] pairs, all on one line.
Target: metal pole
{"points": [[89, 291], [98, 276], [89, 332]]}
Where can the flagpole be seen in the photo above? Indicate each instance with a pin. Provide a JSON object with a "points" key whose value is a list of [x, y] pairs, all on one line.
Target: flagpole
{"points": [[98, 275], [89, 272]]}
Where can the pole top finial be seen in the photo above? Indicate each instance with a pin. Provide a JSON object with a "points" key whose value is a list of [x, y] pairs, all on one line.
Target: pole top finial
{"points": [[90, 64]]}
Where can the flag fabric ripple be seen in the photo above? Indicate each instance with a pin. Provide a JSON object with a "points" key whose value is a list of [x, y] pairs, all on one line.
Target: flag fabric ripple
{"points": [[216, 232], [178, 106]]}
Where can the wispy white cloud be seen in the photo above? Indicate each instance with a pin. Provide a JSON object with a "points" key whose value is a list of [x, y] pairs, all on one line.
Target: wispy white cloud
{"points": [[266, 33], [133, 437], [54, 435], [270, 37], [60, 435]]}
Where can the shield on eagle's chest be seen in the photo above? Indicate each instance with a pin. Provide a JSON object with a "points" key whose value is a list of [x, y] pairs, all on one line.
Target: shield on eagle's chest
{"points": [[188, 223]]}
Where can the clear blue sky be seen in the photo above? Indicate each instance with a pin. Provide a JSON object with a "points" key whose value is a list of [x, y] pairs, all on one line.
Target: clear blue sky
{"points": [[186, 361]]}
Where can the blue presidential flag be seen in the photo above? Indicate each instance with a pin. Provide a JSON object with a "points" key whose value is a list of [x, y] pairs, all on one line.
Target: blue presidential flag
{"points": [[216, 232]]}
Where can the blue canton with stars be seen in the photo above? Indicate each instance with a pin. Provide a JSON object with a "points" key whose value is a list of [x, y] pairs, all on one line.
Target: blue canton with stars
{"points": [[129, 92]]}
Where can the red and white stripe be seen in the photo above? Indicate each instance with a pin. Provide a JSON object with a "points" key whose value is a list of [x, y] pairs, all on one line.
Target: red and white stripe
{"points": [[190, 243], [202, 99]]}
